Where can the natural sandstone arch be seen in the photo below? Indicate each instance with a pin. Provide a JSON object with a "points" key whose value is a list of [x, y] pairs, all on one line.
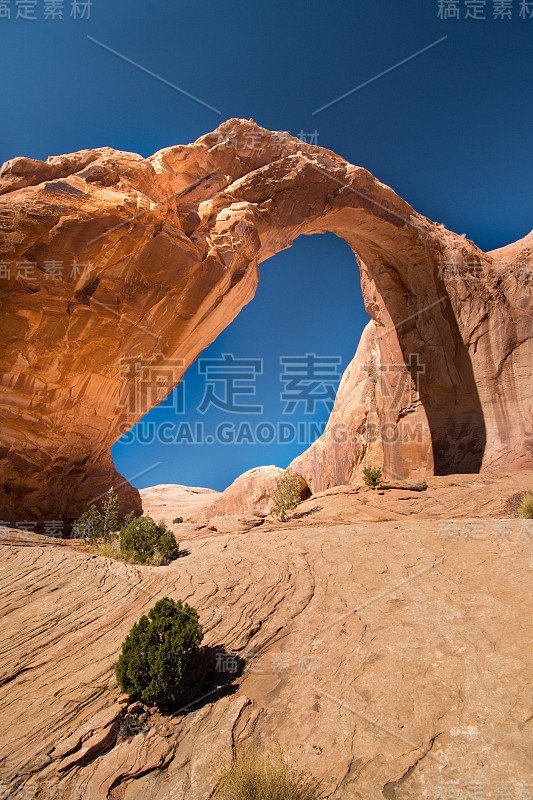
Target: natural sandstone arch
{"points": [[174, 242]]}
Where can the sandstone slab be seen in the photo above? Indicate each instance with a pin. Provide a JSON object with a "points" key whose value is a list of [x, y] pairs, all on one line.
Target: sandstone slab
{"points": [[388, 659], [168, 501]]}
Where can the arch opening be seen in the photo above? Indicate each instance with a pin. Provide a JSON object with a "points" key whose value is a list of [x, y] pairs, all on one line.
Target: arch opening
{"points": [[308, 308]]}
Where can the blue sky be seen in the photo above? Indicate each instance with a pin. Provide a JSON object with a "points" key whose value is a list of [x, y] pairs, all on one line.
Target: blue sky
{"points": [[449, 130]]}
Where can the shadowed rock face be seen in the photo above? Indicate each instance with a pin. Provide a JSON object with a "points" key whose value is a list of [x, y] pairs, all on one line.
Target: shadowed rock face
{"points": [[158, 255]]}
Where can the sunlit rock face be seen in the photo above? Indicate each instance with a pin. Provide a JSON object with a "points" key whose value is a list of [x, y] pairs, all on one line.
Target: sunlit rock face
{"points": [[117, 271], [353, 435], [251, 492]]}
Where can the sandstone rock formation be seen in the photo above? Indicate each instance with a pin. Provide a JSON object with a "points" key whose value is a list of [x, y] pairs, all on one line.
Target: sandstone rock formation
{"points": [[251, 493], [168, 501], [117, 271], [392, 659], [353, 435]]}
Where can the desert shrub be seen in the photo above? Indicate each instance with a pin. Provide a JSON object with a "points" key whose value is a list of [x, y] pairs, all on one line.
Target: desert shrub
{"points": [[100, 523], [145, 540], [141, 539], [166, 545], [372, 476], [177, 520], [266, 775], [525, 506], [128, 518], [287, 495], [162, 662]]}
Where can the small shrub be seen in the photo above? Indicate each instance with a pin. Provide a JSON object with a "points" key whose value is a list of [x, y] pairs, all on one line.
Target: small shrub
{"points": [[143, 540], [177, 520], [287, 495], [260, 775], [372, 476], [128, 518], [166, 545], [161, 662], [100, 524], [525, 506]]}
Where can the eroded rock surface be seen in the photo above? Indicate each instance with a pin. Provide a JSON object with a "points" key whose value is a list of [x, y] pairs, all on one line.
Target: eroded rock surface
{"points": [[353, 436], [251, 493], [119, 270], [166, 501], [392, 659]]}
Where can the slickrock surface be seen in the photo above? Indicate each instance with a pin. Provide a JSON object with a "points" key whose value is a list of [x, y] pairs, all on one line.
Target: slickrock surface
{"points": [[167, 501], [437, 497], [391, 659], [123, 269], [446, 497]]}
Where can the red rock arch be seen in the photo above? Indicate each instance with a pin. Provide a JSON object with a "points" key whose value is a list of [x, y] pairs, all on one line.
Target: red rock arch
{"points": [[173, 243]]}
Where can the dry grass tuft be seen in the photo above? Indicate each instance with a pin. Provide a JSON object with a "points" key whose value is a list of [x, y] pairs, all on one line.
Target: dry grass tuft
{"points": [[520, 504], [266, 775], [525, 506]]}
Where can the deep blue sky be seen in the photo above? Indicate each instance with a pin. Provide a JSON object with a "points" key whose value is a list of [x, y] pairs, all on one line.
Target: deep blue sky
{"points": [[450, 131]]}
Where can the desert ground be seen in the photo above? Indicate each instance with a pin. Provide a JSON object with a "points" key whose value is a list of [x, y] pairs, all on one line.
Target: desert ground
{"points": [[382, 638]]}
